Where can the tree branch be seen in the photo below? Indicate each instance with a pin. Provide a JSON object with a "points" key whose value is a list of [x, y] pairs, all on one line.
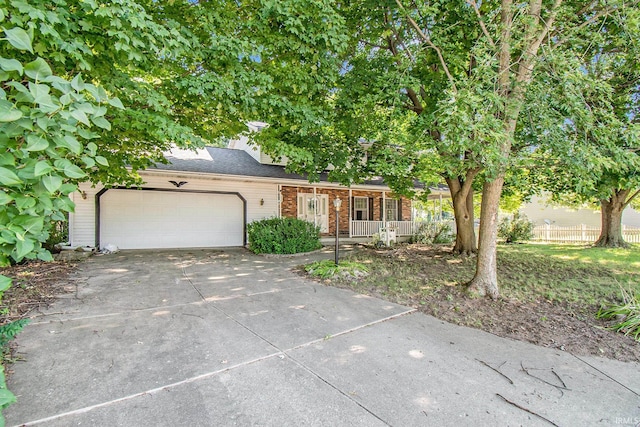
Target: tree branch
{"points": [[417, 105], [474, 4], [633, 196], [427, 40], [602, 12]]}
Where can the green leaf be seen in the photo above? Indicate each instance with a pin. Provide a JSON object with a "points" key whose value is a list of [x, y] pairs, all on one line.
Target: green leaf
{"points": [[41, 168], [8, 112], [25, 202], [5, 199], [36, 143], [7, 159], [101, 122], [24, 248], [5, 283], [19, 39], [52, 183], [88, 161], [38, 69], [101, 160], [8, 177], [73, 171], [77, 83], [45, 255], [70, 142], [115, 102], [11, 65], [80, 116]]}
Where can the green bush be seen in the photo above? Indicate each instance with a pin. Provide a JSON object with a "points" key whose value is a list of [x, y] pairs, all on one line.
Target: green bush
{"points": [[58, 235], [516, 229], [283, 236], [433, 232]]}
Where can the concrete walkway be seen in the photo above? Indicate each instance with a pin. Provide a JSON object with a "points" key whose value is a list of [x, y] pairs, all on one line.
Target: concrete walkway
{"points": [[217, 338]]}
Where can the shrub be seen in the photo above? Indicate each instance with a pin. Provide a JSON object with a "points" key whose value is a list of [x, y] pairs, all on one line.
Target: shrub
{"points": [[433, 232], [283, 236], [516, 229], [58, 234], [628, 315], [327, 268]]}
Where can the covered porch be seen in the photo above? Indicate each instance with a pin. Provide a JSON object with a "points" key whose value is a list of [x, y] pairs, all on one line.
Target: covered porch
{"points": [[363, 212]]}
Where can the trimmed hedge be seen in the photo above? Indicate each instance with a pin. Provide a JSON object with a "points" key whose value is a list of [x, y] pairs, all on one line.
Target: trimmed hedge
{"points": [[283, 236]]}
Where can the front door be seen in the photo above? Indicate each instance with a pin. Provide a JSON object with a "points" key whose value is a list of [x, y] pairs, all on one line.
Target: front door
{"points": [[315, 209]]}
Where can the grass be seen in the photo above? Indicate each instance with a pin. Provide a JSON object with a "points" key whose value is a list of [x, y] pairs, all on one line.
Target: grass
{"points": [[327, 268], [528, 272], [626, 314]]}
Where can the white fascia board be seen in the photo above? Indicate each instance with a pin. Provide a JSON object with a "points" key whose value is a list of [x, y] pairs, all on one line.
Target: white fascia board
{"points": [[244, 178]]}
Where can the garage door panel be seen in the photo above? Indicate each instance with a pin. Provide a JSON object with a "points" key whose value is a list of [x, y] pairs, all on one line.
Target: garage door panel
{"points": [[143, 219]]}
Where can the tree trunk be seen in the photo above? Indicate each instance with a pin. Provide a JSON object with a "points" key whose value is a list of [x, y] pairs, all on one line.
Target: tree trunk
{"points": [[485, 281], [462, 197], [611, 217]]}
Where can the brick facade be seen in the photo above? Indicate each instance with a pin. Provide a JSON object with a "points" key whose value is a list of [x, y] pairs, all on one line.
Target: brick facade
{"points": [[289, 204]]}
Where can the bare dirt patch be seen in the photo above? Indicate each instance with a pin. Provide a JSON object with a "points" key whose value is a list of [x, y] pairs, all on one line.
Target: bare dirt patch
{"points": [[430, 279]]}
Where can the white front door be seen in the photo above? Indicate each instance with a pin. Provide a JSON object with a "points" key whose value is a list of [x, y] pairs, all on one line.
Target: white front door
{"points": [[314, 208]]}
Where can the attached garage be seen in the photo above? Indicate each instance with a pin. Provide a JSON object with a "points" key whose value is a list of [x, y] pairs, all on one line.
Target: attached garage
{"points": [[151, 219]]}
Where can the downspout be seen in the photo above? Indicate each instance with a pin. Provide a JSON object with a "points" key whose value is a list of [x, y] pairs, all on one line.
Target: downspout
{"points": [[350, 212], [279, 199]]}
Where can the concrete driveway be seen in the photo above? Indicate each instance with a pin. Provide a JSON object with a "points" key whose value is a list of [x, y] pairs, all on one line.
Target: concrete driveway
{"points": [[212, 337]]}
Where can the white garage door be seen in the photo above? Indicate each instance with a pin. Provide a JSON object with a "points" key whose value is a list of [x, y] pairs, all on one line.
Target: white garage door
{"points": [[139, 219]]}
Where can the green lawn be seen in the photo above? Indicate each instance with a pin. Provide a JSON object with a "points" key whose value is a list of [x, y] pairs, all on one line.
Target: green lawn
{"points": [[526, 272]]}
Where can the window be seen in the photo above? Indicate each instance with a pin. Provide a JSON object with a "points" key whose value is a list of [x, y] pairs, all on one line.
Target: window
{"points": [[361, 208], [391, 210]]}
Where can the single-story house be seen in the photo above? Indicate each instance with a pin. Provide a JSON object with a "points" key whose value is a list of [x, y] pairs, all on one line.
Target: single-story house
{"points": [[206, 198]]}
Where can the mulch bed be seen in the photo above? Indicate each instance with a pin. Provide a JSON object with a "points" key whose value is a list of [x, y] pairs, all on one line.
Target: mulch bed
{"points": [[36, 285]]}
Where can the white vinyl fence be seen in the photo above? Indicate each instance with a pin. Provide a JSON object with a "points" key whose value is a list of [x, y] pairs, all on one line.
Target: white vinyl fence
{"points": [[579, 233]]}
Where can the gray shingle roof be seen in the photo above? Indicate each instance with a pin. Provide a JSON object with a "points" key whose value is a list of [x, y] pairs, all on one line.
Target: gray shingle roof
{"points": [[227, 161]]}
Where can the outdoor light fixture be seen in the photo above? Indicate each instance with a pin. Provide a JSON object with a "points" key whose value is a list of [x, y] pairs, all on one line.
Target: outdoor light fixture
{"points": [[337, 203], [261, 202]]}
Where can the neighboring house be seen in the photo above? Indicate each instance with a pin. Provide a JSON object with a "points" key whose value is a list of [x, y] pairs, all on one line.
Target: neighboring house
{"points": [[540, 212], [206, 198]]}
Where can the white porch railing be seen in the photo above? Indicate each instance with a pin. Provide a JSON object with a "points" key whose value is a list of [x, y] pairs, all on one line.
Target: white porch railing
{"points": [[369, 228]]}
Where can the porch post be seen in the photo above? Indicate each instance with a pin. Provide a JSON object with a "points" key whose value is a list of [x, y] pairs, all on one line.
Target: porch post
{"points": [[315, 211], [384, 208]]}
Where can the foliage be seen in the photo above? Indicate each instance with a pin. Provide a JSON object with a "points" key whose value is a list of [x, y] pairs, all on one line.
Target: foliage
{"points": [[95, 91], [7, 333], [437, 90], [6, 397], [10, 330], [327, 268], [283, 236], [515, 229], [596, 159], [58, 235], [433, 232], [627, 314]]}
